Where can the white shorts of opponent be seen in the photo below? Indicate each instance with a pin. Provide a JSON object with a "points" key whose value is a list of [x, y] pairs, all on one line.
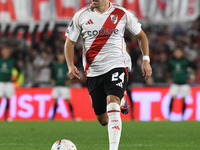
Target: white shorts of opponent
{"points": [[7, 89], [183, 90], [60, 91]]}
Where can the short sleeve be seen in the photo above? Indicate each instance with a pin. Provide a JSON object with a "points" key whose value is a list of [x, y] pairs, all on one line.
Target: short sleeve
{"points": [[73, 30], [132, 24]]}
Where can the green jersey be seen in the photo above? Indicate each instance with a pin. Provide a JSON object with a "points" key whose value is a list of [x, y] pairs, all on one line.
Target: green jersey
{"points": [[6, 66], [60, 72], [179, 71]]}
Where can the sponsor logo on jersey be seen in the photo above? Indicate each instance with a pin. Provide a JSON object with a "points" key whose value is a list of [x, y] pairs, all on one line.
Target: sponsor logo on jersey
{"points": [[114, 18], [102, 32], [4, 68]]}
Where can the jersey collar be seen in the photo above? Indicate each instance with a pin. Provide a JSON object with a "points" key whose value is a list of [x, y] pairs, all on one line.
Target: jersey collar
{"points": [[107, 11]]}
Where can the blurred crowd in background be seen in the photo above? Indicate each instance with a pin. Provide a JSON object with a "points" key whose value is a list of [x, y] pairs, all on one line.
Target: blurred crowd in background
{"points": [[35, 60]]}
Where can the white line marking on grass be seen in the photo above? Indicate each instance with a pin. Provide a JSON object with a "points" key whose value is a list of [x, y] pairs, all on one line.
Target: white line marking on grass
{"points": [[125, 145], [20, 144]]}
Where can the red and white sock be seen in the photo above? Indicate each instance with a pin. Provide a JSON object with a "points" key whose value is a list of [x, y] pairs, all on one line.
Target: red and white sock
{"points": [[114, 125], [122, 102]]}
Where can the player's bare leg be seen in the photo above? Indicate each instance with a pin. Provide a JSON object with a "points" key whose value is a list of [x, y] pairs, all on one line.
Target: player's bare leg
{"points": [[103, 119]]}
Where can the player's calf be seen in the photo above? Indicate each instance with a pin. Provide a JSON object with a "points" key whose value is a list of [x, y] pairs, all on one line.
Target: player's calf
{"points": [[103, 119]]}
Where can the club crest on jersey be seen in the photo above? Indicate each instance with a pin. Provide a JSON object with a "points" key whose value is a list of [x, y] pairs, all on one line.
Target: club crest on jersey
{"points": [[114, 18]]}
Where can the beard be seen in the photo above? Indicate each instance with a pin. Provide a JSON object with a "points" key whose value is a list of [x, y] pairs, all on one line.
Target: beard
{"points": [[95, 3]]}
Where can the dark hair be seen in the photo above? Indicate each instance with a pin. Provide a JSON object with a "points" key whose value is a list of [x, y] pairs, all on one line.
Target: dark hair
{"points": [[179, 47], [6, 47]]}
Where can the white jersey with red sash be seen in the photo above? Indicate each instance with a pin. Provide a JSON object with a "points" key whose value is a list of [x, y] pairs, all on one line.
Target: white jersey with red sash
{"points": [[104, 47]]}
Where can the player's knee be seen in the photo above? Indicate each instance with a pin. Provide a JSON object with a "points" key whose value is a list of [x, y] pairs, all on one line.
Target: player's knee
{"points": [[113, 99]]}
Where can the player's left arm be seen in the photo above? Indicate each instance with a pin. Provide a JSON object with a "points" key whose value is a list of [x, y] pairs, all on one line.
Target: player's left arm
{"points": [[192, 65], [15, 66], [144, 46]]}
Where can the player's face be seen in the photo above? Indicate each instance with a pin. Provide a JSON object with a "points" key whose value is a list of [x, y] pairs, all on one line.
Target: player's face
{"points": [[5, 53], [97, 3], [44, 55], [178, 53], [61, 58]]}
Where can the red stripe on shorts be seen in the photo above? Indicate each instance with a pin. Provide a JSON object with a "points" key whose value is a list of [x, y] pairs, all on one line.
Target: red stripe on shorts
{"points": [[127, 76]]}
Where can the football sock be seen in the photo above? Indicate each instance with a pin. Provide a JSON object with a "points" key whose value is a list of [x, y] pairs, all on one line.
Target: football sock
{"points": [[71, 109], [122, 102], [131, 102], [6, 111], [170, 105], [184, 106], [54, 109], [114, 125]]}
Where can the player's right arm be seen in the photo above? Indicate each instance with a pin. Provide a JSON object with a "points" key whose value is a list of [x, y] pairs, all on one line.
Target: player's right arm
{"points": [[72, 34], [69, 56]]}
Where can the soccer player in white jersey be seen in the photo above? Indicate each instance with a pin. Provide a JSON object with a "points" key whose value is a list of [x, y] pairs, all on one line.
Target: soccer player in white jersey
{"points": [[101, 26]]}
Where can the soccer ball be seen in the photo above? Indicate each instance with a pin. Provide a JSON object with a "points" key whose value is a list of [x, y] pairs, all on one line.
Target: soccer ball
{"points": [[63, 145]]}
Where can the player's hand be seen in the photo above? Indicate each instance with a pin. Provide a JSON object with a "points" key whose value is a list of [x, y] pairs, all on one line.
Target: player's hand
{"points": [[73, 72], [68, 82], [146, 69], [169, 81], [14, 78], [53, 82]]}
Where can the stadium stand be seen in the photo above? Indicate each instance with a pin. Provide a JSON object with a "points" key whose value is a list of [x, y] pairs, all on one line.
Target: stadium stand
{"points": [[35, 58]]}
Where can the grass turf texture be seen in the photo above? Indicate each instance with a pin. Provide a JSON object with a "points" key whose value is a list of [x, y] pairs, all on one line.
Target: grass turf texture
{"points": [[91, 136]]}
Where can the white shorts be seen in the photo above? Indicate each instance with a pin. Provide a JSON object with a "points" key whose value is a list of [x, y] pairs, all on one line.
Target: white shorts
{"points": [[183, 90], [7, 89], [58, 91]]}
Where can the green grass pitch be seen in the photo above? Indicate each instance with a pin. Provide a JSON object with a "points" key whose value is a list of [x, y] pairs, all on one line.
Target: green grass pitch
{"points": [[91, 136]]}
